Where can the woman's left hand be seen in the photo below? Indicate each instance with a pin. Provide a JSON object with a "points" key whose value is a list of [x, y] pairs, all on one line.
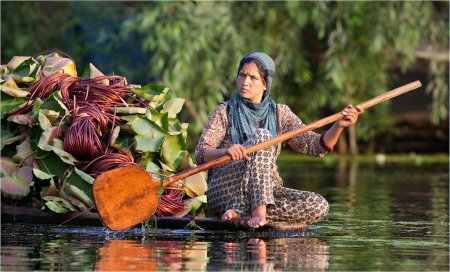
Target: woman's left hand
{"points": [[350, 114]]}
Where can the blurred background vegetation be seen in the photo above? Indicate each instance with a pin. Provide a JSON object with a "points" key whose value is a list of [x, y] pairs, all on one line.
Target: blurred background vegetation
{"points": [[327, 55]]}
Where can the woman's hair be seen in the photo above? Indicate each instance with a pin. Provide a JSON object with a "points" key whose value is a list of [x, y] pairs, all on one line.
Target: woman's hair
{"points": [[262, 71]]}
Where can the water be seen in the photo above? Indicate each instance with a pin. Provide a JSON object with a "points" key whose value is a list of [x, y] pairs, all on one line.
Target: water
{"points": [[391, 217]]}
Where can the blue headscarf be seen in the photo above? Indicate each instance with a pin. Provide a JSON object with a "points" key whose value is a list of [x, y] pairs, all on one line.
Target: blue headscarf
{"points": [[244, 116]]}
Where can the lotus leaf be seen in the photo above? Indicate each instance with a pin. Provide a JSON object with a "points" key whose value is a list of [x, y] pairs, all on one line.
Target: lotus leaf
{"points": [[74, 178], [77, 193], [24, 153], [7, 166], [8, 81], [19, 62], [18, 184], [52, 164], [14, 92], [161, 119], [21, 119], [84, 176], [58, 204], [48, 135], [173, 150], [41, 175], [191, 206], [173, 107], [152, 92], [9, 103], [43, 121], [94, 72], [54, 104], [196, 185], [73, 200], [55, 65]]}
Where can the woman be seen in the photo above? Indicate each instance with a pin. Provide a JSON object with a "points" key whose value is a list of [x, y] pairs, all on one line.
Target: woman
{"points": [[249, 187]]}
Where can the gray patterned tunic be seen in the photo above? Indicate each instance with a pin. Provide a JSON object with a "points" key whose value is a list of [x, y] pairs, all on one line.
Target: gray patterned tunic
{"points": [[244, 185]]}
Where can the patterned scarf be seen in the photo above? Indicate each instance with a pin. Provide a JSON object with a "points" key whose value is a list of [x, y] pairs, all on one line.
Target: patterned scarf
{"points": [[244, 116]]}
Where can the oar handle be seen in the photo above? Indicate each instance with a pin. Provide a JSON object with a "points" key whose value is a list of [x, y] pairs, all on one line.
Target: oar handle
{"points": [[291, 134]]}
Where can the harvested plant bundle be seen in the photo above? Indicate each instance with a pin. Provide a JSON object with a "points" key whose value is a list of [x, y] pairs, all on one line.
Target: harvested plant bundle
{"points": [[60, 131]]}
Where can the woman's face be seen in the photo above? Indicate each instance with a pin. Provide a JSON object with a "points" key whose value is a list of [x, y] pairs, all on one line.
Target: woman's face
{"points": [[250, 83]]}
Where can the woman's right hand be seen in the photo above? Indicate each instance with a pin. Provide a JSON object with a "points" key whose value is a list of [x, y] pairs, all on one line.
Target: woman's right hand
{"points": [[237, 152]]}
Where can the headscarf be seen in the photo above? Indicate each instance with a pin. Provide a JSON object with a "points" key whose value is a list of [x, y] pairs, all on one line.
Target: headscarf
{"points": [[244, 116]]}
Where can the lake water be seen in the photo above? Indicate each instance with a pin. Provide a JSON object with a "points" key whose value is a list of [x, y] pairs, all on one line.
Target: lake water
{"points": [[382, 217]]}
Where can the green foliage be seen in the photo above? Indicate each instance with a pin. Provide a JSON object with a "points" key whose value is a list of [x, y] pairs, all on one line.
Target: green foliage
{"points": [[327, 53]]}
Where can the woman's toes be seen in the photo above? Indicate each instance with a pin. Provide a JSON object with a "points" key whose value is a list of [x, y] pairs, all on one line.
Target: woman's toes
{"points": [[230, 215]]}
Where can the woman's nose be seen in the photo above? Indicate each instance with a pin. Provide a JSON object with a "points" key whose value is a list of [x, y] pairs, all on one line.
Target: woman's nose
{"points": [[247, 80]]}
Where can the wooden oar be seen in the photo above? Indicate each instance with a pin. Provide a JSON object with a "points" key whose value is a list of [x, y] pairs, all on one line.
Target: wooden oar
{"points": [[128, 196]]}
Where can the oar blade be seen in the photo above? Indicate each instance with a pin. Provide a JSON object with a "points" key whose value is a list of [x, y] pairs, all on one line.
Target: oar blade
{"points": [[125, 197]]}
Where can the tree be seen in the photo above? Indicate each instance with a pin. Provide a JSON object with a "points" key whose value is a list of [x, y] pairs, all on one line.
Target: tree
{"points": [[327, 53], [334, 52]]}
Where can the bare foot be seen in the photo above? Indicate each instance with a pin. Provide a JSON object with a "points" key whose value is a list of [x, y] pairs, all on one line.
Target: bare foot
{"points": [[230, 215], [258, 218]]}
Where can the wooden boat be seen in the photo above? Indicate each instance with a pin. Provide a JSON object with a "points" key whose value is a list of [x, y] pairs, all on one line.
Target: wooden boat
{"points": [[27, 215]]}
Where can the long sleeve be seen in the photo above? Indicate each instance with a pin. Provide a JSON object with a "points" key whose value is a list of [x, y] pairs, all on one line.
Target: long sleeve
{"points": [[306, 143], [214, 132]]}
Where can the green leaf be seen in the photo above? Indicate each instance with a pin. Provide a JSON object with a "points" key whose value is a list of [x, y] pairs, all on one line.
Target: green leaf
{"points": [[8, 137], [52, 164], [124, 139], [41, 175], [84, 176], [152, 92], [57, 147], [58, 204], [152, 167], [150, 135], [161, 119], [54, 103], [146, 144], [74, 178], [67, 194], [75, 192], [9, 103], [23, 69], [48, 136], [43, 121], [192, 205], [173, 151], [35, 132], [173, 107], [13, 91], [145, 127]]}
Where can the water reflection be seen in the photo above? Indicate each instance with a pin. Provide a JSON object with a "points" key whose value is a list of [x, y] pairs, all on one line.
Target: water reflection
{"points": [[124, 255], [276, 254]]}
